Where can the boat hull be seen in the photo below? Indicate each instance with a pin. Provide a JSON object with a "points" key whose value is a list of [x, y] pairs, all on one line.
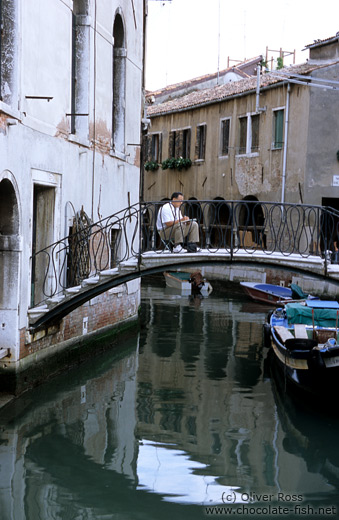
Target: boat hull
{"points": [[267, 293], [305, 363]]}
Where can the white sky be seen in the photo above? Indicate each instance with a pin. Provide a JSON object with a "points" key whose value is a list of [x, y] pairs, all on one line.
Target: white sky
{"points": [[183, 35]]}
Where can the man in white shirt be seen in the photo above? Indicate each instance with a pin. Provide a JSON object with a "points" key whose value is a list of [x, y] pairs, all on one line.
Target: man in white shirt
{"points": [[172, 225]]}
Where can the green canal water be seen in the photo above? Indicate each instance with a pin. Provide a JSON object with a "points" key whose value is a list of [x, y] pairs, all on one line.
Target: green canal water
{"points": [[183, 421]]}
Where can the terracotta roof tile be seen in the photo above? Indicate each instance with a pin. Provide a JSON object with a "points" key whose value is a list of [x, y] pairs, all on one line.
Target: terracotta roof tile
{"points": [[321, 42], [221, 92], [193, 81]]}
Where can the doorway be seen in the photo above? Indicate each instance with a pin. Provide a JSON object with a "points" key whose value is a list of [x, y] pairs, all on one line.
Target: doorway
{"points": [[43, 234]]}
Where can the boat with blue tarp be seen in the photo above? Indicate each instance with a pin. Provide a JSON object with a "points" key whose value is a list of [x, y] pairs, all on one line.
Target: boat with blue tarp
{"points": [[271, 293], [304, 338]]}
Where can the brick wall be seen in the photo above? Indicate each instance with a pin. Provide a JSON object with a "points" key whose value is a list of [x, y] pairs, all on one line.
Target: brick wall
{"points": [[108, 309]]}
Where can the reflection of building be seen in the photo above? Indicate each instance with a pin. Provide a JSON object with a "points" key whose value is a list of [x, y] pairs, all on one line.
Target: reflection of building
{"points": [[69, 153], [54, 451], [194, 418], [273, 144], [201, 396]]}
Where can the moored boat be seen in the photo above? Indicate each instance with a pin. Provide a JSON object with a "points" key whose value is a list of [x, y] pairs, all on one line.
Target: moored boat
{"points": [[304, 337], [188, 283], [272, 294]]}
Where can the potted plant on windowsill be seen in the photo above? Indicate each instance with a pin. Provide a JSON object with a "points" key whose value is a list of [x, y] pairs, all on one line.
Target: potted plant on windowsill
{"points": [[151, 166], [176, 164]]}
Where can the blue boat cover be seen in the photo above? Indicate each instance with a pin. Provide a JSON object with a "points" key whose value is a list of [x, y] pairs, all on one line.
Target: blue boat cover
{"points": [[322, 304], [274, 289], [323, 317]]}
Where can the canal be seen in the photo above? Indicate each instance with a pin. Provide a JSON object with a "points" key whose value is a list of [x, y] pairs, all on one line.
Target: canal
{"points": [[184, 420]]}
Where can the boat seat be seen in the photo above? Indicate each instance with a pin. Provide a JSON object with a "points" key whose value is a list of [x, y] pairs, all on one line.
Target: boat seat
{"points": [[300, 331], [283, 333]]}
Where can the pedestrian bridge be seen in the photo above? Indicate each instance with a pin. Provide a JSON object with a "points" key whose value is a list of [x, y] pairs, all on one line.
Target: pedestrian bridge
{"points": [[98, 256]]}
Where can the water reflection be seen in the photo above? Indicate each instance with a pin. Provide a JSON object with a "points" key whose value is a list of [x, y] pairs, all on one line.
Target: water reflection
{"points": [[178, 418]]}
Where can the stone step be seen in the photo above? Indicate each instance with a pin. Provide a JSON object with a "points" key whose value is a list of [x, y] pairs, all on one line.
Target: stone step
{"points": [[108, 273], [73, 290], [129, 265], [55, 300], [36, 312], [90, 281]]}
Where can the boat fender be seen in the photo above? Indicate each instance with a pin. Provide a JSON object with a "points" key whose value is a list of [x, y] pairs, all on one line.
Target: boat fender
{"points": [[267, 335]]}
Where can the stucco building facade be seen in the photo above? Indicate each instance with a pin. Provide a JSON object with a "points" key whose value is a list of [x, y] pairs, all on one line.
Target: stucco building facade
{"points": [[275, 139], [71, 83]]}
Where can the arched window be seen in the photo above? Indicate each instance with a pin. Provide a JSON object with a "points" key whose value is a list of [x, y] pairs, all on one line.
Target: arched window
{"points": [[119, 85], [9, 215]]}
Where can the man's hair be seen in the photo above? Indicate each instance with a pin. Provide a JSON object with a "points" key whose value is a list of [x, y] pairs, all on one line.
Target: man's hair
{"points": [[176, 194]]}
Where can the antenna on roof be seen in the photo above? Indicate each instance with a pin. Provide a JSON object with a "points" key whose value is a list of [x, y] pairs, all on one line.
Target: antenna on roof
{"points": [[218, 45]]}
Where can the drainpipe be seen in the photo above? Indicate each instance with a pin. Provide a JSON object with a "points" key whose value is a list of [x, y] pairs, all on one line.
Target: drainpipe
{"points": [[258, 89], [285, 144]]}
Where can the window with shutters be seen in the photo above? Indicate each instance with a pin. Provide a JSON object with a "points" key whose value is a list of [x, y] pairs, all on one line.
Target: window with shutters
{"points": [[154, 143], [200, 142], [242, 135], [224, 136], [180, 143], [254, 137], [172, 144], [278, 128], [186, 143]]}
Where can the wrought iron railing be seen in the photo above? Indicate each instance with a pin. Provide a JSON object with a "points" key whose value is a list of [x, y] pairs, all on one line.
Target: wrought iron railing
{"points": [[223, 226]]}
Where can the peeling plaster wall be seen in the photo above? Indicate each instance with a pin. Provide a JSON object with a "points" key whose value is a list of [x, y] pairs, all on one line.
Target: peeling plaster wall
{"points": [[9, 52], [36, 138], [236, 176], [323, 140]]}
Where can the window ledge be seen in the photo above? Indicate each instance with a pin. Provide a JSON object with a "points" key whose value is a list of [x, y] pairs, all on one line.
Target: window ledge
{"points": [[249, 155], [224, 156], [118, 155], [9, 111], [83, 141], [198, 161], [275, 148]]}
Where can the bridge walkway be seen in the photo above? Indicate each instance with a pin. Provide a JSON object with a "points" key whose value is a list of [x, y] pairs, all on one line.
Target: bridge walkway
{"points": [[157, 261]]}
